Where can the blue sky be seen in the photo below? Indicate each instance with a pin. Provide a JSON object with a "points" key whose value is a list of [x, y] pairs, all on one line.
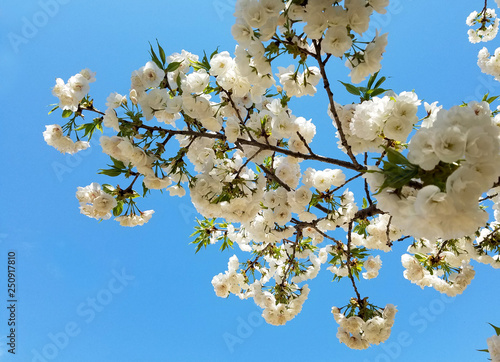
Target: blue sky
{"points": [[92, 291]]}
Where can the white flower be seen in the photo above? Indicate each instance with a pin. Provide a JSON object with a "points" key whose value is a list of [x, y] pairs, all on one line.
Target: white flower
{"points": [[53, 135], [176, 190], [195, 82], [449, 143], [431, 201], [151, 75], [221, 63], [359, 16], [336, 41], [494, 348], [104, 203], [379, 5], [352, 324], [115, 100], [397, 128], [156, 183], [135, 220], [242, 33], [94, 202], [79, 85], [88, 74], [111, 120]]}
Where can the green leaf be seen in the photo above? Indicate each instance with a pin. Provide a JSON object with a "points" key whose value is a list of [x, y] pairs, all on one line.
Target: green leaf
{"points": [[67, 113], [396, 158], [398, 179], [379, 82], [173, 66], [377, 91], [497, 329], [118, 208], [110, 172], [162, 53], [227, 243], [214, 52], [53, 109], [117, 163], [107, 188], [492, 99], [144, 190], [371, 80], [154, 57], [351, 89]]}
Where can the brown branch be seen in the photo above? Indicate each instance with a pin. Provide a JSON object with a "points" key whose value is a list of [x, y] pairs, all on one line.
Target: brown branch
{"points": [[262, 146], [348, 262], [329, 92], [369, 211], [275, 178]]}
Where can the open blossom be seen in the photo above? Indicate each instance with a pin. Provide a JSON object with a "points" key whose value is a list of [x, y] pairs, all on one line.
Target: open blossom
{"points": [[71, 93], [94, 202], [111, 120], [494, 348], [148, 76], [485, 32], [134, 219], [357, 333], [115, 100], [54, 137], [336, 41], [369, 61], [372, 266], [489, 64]]}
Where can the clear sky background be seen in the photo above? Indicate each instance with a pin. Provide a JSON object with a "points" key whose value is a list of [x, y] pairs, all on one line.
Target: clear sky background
{"points": [[154, 299]]}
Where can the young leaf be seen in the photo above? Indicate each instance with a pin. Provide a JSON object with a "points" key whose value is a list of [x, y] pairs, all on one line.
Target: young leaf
{"points": [[396, 158], [497, 329], [154, 57], [371, 80], [53, 109], [379, 82], [351, 89], [162, 53], [118, 208], [173, 66], [377, 91], [67, 113]]}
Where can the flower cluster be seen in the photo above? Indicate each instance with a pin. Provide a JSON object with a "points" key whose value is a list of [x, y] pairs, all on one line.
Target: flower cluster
{"points": [[71, 93], [489, 64], [372, 266], [54, 137], [485, 32], [457, 281], [274, 312], [378, 234], [334, 23], [359, 333], [133, 219], [368, 124], [279, 313], [230, 281], [461, 148], [250, 170], [94, 202]]}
